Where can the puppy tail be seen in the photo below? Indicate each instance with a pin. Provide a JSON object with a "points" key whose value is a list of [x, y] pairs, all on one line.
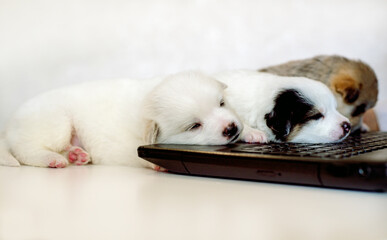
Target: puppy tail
{"points": [[6, 158]]}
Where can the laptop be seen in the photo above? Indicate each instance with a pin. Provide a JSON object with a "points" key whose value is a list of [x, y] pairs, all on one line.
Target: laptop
{"points": [[359, 162]]}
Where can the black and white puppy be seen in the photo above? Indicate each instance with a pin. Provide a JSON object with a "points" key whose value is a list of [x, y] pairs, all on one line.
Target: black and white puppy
{"points": [[286, 109]]}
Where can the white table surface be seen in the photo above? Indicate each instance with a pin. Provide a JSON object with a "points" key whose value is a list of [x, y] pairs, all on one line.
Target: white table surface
{"points": [[113, 202]]}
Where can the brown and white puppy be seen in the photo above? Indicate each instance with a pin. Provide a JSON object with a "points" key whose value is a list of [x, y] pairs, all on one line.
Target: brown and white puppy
{"points": [[353, 82]]}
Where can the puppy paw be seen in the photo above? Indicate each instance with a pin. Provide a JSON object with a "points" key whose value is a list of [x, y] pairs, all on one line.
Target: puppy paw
{"points": [[78, 156], [364, 128], [159, 169], [56, 161], [254, 136], [57, 164]]}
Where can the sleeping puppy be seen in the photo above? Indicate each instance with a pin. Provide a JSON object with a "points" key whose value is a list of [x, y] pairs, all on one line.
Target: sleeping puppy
{"points": [[286, 109], [353, 83], [104, 122]]}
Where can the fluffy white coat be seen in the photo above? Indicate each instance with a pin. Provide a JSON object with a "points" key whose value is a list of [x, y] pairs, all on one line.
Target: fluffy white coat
{"points": [[104, 122]]}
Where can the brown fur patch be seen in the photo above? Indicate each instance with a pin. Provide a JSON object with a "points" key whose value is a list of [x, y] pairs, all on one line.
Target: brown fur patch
{"points": [[347, 87], [296, 129]]}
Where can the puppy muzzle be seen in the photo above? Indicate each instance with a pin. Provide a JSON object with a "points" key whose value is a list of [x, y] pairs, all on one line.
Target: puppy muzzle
{"points": [[230, 131]]}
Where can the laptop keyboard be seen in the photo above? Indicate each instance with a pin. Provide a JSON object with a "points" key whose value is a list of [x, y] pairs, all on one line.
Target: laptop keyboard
{"points": [[352, 146]]}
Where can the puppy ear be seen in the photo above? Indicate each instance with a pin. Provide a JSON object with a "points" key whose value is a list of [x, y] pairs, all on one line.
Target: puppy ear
{"points": [[290, 110], [223, 85], [347, 87], [151, 132], [279, 124]]}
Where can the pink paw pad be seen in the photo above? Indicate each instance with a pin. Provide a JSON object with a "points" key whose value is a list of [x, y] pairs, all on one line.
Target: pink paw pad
{"points": [[55, 164], [78, 156], [159, 169], [255, 136]]}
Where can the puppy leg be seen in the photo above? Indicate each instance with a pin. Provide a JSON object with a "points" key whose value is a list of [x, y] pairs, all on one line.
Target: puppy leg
{"points": [[38, 139], [33, 154], [251, 135], [44, 158]]}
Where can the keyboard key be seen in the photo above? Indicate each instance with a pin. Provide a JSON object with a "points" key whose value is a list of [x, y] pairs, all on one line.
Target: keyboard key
{"points": [[352, 146]]}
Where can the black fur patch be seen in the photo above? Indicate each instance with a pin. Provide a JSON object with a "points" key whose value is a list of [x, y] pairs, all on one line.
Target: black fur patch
{"points": [[290, 109], [359, 110], [351, 95]]}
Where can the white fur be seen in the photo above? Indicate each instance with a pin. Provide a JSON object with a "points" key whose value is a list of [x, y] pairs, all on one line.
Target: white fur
{"points": [[252, 95], [112, 118]]}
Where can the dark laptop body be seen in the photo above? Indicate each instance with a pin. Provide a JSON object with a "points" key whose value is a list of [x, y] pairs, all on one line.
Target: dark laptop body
{"points": [[359, 162]]}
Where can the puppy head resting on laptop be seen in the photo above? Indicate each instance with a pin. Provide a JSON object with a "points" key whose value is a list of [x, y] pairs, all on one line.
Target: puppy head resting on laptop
{"points": [[353, 83], [287, 109], [101, 122], [193, 111]]}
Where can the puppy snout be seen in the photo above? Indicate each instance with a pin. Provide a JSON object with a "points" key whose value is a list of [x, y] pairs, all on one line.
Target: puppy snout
{"points": [[346, 127], [230, 130]]}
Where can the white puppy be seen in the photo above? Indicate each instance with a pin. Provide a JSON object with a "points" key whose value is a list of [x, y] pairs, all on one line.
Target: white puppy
{"points": [[104, 122], [287, 109]]}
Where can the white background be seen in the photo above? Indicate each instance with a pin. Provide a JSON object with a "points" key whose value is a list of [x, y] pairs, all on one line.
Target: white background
{"points": [[46, 44]]}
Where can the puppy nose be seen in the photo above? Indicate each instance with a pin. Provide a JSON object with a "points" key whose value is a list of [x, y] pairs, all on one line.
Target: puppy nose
{"points": [[230, 130], [346, 127]]}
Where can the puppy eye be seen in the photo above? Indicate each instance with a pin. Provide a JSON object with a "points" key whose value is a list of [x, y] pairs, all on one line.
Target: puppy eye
{"points": [[316, 116], [194, 126], [221, 104]]}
